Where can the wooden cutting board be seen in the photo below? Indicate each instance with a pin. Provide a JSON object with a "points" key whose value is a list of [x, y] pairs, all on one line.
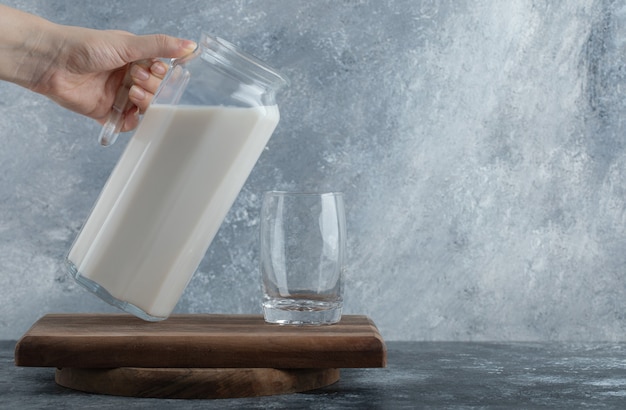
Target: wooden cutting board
{"points": [[195, 383], [198, 341], [197, 356]]}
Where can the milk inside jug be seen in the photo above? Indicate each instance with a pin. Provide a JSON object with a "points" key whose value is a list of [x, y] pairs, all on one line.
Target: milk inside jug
{"points": [[177, 179]]}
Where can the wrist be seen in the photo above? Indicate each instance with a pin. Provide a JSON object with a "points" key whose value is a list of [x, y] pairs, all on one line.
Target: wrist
{"points": [[27, 44]]}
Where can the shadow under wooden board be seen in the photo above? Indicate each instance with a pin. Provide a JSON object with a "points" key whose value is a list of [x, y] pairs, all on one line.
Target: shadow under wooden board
{"points": [[197, 355]]}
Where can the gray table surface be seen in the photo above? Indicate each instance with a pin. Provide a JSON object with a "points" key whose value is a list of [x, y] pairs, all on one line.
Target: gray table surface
{"points": [[419, 375]]}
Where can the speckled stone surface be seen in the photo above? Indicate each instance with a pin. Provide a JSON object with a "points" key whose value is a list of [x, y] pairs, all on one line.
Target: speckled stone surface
{"points": [[480, 145], [419, 375]]}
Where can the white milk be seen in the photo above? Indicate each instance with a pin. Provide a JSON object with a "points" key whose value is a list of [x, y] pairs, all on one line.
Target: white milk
{"points": [[165, 201]]}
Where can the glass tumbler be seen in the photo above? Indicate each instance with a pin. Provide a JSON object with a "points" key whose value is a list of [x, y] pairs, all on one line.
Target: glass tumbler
{"points": [[303, 251]]}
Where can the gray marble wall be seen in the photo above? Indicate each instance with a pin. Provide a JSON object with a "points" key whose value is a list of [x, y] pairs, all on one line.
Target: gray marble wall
{"points": [[480, 145]]}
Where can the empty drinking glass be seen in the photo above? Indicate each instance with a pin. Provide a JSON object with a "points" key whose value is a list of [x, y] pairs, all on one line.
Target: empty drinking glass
{"points": [[303, 250]]}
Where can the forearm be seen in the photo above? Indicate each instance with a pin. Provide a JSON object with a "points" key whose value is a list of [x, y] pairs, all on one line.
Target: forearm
{"points": [[26, 46]]}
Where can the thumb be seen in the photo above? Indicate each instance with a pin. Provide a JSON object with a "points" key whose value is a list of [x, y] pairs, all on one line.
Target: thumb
{"points": [[156, 46]]}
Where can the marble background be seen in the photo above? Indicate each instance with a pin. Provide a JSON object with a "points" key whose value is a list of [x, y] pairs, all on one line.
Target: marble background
{"points": [[480, 145]]}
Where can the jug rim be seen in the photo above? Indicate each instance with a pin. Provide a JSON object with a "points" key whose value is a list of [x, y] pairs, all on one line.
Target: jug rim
{"points": [[217, 50]]}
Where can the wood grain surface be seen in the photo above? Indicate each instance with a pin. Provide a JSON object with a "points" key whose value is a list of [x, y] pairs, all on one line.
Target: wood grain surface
{"points": [[198, 341], [195, 383]]}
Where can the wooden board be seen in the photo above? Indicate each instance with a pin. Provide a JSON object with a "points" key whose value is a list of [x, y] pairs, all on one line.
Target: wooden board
{"points": [[198, 341], [195, 383]]}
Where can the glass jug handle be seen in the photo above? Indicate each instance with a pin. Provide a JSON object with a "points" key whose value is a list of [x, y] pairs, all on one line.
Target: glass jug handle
{"points": [[112, 127]]}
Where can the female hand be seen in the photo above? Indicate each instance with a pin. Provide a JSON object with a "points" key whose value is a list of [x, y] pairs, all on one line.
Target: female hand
{"points": [[81, 69]]}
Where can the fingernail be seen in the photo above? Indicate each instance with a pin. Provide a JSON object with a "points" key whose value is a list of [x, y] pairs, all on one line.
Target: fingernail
{"points": [[158, 68], [189, 45], [136, 93], [139, 73]]}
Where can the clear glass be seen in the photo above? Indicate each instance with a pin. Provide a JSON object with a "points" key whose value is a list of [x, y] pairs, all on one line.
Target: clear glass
{"points": [[176, 180], [303, 251]]}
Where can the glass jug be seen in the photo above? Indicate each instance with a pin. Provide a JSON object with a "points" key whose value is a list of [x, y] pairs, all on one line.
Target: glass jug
{"points": [[177, 178]]}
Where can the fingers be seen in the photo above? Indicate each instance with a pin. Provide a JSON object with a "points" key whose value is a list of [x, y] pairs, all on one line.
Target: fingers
{"points": [[147, 72], [131, 120], [146, 81], [146, 77], [156, 45]]}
